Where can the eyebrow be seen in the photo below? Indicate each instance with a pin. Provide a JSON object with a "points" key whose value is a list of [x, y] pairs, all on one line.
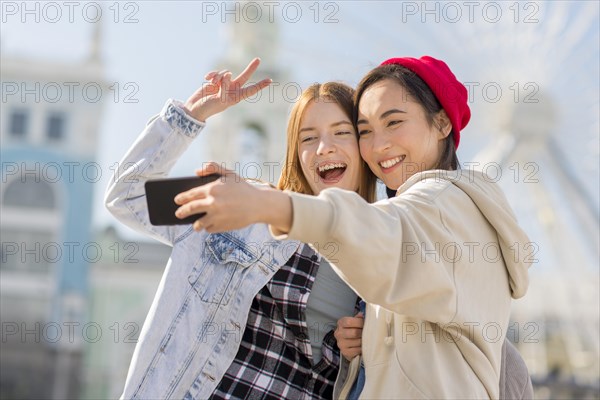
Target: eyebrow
{"points": [[331, 126], [382, 116]]}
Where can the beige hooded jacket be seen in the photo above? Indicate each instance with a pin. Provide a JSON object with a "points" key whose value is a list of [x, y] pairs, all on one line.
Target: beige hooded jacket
{"points": [[437, 265]]}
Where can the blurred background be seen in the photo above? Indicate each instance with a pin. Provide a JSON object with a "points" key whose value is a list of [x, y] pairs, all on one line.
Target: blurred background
{"points": [[81, 79]]}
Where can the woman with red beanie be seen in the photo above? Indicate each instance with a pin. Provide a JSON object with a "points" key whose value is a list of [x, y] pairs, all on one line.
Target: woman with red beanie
{"points": [[437, 263], [425, 80]]}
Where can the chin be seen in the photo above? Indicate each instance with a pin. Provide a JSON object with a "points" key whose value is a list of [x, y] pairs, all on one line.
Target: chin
{"points": [[394, 185]]}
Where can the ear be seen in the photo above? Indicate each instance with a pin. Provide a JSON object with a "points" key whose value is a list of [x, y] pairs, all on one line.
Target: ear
{"points": [[444, 125]]}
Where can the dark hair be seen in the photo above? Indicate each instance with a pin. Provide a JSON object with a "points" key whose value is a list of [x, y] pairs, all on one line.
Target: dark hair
{"points": [[422, 94]]}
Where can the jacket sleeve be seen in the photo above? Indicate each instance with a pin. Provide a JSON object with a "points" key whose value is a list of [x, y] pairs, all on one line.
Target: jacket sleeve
{"points": [[388, 252], [151, 156]]}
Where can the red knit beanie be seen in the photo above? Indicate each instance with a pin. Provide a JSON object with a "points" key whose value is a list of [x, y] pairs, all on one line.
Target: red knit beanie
{"points": [[451, 94]]}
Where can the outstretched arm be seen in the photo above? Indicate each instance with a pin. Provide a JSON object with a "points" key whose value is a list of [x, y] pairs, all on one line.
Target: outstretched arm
{"points": [[373, 235], [231, 203]]}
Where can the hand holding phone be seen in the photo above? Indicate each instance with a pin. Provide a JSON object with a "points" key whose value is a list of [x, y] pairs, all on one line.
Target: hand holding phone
{"points": [[160, 195]]}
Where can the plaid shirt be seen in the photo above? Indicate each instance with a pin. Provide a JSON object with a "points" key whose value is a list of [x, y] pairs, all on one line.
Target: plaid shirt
{"points": [[274, 360]]}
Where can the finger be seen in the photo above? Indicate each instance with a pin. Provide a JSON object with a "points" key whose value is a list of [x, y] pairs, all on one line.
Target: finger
{"points": [[347, 333], [350, 352], [336, 335], [220, 73], [197, 225], [207, 89], [196, 193], [193, 207], [209, 75], [347, 344], [214, 168], [350, 355], [225, 83], [351, 322], [360, 315], [242, 78], [253, 89], [207, 221], [210, 224], [210, 168], [350, 333], [219, 76]]}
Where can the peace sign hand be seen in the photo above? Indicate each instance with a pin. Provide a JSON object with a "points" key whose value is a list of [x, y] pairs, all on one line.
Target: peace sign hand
{"points": [[221, 92]]}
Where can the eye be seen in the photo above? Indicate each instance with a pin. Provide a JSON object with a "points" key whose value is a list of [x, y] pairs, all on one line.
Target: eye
{"points": [[363, 132], [394, 122], [343, 133], [307, 139]]}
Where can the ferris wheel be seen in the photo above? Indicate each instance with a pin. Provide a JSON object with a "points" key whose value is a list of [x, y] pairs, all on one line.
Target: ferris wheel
{"points": [[532, 71]]}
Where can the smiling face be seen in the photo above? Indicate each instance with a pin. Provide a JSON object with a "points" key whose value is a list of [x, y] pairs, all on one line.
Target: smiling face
{"points": [[396, 140], [328, 148]]}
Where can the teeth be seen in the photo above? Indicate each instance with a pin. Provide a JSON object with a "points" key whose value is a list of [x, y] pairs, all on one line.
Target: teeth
{"points": [[391, 163], [331, 166]]}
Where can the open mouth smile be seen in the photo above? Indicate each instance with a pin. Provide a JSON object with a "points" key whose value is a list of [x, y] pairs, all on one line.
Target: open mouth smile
{"points": [[331, 172], [387, 165]]}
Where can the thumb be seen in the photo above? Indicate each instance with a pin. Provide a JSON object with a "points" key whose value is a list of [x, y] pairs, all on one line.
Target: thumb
{"points": [[212, 167], [208, 89]]}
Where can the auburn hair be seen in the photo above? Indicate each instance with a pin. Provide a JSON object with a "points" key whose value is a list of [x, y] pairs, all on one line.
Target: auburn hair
{"points": [[292, 178]]}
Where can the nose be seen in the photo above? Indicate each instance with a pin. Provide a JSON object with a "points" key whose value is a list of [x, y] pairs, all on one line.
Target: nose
{"points": [[381, 142], [326, 146]]}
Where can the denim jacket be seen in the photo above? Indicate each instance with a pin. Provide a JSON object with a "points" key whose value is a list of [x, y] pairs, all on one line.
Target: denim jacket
{"points": [[193, 329]]}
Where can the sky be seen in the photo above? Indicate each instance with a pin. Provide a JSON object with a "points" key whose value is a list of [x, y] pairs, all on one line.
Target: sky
{"points": [[509, 52]]}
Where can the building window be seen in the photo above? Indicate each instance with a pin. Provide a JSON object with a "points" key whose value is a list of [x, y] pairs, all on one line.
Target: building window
{"points": [[29, 192], [28, 251], [55, 129], [18, 121]]}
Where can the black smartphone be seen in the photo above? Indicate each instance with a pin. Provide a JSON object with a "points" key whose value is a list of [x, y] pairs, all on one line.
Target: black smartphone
{"points": [[160, 195]]}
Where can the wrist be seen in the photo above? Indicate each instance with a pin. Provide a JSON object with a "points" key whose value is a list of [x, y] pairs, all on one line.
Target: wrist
{"points": [[197, 114], [275, 209], [201, 116], [175, 114]]}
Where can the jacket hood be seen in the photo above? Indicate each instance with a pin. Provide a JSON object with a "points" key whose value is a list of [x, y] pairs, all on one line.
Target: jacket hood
{"points": [[492, 203]]}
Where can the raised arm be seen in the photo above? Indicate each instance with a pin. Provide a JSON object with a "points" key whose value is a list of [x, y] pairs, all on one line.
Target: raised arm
{"points": [[164, 140]]}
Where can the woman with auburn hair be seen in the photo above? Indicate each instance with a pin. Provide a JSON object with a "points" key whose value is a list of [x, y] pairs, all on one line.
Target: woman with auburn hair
{"points": [[297, 179], [237, 315], [416, 259]]}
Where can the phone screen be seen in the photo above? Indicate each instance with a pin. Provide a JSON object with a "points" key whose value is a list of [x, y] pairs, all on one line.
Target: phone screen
{"points": [[160, 195]]}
